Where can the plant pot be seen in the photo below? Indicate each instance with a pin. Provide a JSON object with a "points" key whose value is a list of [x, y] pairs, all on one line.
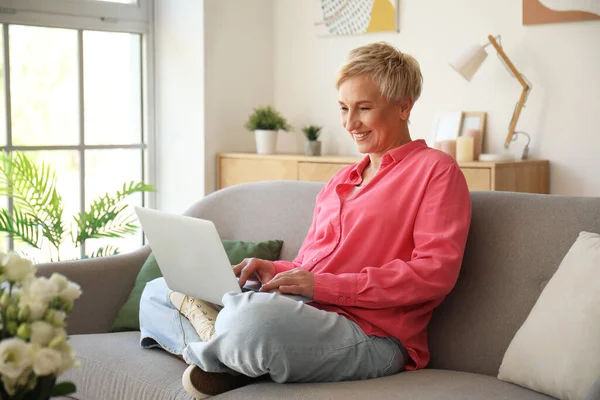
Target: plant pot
{"points": [[266, 141], [42, 390], [312, 148]]}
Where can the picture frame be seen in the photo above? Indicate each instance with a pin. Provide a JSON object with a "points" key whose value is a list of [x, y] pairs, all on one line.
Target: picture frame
{"points": [[474, 120], [355, 17], [446, 126]]}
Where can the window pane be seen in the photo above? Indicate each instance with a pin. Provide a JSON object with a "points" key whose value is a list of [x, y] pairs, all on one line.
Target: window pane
{"points": [[106, 171], [44, 85], [112, 82], [66, 165], [2, 98]]}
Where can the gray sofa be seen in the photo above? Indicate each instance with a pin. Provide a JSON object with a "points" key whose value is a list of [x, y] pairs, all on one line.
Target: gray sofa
{"points": [[515, 244]]}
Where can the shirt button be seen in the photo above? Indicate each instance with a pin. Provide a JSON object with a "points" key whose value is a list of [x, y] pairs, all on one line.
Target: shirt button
{"points": [[341, 299], [348, 301]]}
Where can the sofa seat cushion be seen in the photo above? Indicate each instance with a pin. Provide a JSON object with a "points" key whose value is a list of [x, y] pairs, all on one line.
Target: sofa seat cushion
{"points": [[115, 367], [427, 384]]}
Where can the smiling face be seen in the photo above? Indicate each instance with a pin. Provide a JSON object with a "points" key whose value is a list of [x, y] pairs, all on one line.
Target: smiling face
{"points": [[375, 124]]}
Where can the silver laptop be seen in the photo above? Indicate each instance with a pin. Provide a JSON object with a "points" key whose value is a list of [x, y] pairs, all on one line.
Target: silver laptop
{"points": [[191, 256]]}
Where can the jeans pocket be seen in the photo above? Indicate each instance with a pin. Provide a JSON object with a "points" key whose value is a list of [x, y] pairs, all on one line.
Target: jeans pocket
{"points": [[397, 360]]}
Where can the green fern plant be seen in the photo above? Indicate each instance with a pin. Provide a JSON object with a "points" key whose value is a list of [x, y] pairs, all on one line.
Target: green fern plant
{"points": [[267, 118], [38, 209]]}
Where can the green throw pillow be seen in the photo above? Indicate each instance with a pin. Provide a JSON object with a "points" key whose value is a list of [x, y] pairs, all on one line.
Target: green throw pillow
{"points": [[128, 317]]}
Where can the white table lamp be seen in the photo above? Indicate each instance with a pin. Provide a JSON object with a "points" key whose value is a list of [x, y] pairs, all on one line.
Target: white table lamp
{"points": [[467, 64]]}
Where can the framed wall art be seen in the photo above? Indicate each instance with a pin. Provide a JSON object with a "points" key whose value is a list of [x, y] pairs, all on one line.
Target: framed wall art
{"points": [[537, 12], [473, 120], [355, 17]]}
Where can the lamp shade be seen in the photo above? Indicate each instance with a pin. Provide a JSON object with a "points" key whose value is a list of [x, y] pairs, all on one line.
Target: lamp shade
{"points": [[469, 61]]}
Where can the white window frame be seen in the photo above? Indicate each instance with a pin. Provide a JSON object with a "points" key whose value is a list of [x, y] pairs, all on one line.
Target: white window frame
{"points": [[101, 16], [79, 14], [139, 11]]}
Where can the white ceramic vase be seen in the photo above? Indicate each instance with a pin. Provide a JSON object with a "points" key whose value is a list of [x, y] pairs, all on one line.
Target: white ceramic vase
{"points": [[266, 141]]}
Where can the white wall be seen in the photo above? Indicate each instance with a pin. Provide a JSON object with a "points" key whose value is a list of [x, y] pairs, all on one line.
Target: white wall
{"points": [[561, 60], [214, 63], [179, 104], [239, 66], [241, 54]]}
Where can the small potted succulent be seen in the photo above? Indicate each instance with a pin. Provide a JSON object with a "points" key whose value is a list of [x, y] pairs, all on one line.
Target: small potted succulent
{"points": [[265, 122], [312, 146]]}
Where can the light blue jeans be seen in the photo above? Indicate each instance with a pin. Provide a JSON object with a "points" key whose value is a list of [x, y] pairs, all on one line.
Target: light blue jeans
{"points": [[263, 333]]}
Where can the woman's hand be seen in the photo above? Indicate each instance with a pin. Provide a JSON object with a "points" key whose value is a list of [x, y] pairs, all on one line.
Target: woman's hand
{"points": [[265, 270], [296, 281]]}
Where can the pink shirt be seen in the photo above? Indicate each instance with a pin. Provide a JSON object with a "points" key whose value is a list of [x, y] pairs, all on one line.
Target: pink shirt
{"points": [[387, 254]]}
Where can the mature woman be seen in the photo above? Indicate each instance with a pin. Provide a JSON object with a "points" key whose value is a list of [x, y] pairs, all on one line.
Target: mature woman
{"points": [[384, 248]]}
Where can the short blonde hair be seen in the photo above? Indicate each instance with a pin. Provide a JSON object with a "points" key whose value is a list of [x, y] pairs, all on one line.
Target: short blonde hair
{"points": [[397, 75]]}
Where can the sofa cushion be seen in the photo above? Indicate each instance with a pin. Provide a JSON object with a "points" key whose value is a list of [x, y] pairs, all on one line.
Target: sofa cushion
{"points": [[556, 349], [127, 318], [115, 367], [270, 209], [516, 242], [414, 385]]}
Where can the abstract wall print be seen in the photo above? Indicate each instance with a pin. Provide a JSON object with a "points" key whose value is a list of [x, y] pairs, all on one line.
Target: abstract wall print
{"points": [[355, 17], [552, 11]]}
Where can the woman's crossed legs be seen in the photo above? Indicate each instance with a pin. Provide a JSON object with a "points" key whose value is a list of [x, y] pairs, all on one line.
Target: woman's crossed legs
{"points": [[263, 333]]}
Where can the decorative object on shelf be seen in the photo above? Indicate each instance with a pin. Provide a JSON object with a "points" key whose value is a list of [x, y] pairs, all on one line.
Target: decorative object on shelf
{"points": [[553, 11], [496, 157], [312, 146], [464, 148], [519, 149], [265, 122], [33, 340], [473, 125], [37, 215], [447, 146], [469, 62], [476, 136], [446, 128], [355, 17]]}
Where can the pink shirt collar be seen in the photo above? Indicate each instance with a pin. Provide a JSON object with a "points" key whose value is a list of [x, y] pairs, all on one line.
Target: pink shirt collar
{"points": [[394, 155]]}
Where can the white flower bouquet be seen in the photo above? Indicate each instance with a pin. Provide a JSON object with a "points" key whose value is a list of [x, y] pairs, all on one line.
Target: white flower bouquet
{"points": [[33, 340]]}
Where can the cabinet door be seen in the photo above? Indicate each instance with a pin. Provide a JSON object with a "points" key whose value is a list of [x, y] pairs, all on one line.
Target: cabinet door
{"points": [[529, 178], [317, 172], [478, 178], [234, 171]]}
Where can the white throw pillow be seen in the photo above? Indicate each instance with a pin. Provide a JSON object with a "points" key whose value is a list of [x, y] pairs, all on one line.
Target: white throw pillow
{"points": [[557, 349]]}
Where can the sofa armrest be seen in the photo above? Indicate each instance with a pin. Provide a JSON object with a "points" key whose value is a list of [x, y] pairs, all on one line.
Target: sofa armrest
{"points": [[105, 282]]}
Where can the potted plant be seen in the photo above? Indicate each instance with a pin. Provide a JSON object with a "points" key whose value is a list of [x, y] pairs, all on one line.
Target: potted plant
{"points": [[265, 122], [312, 146], [37, 215]]}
